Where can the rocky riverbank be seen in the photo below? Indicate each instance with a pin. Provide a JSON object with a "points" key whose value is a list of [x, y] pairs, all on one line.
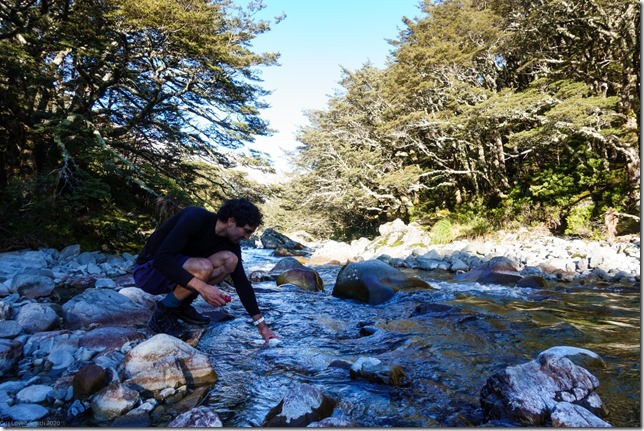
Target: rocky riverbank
{"points": [[74, 345], [553, 258]]}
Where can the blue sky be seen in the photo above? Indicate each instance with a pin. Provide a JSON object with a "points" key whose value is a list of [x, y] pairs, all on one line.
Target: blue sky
{"points": [[315, 40]]}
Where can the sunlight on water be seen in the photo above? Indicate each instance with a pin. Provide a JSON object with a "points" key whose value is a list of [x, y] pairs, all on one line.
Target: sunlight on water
{"points": [[448, 340]]}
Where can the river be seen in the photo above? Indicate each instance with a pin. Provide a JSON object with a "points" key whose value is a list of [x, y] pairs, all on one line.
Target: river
{"points": [[461, 335]]}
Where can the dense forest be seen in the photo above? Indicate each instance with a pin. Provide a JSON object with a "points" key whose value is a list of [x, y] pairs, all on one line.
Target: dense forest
{"points": [[489, 114]]}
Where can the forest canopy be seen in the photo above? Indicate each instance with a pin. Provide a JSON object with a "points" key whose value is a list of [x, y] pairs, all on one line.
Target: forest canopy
{"points": [[498, 112], [108, 105], [506, 112]]}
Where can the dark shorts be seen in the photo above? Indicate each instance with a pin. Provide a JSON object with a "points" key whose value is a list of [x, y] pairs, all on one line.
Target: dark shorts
{"points": [[150, 280]]}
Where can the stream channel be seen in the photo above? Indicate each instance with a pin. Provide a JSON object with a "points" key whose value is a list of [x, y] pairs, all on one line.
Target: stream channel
{"points": [[471, 332]]}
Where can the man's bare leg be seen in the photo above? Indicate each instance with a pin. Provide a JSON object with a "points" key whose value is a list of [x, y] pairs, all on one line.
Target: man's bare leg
{"points": [[211, 270]]}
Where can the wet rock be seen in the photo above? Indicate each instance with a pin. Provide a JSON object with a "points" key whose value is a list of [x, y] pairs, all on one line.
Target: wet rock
{"points": [[582, 357], [304, 278], [202, 417], [570, 415], [531, 391], [373, 282], [103, 306], [113, 401], [498, 270], [533, 281], [373, 370], [163, 362], [284, 265], [433, 310], [89, 380], [259, 275], [191, 400], [302, 405]]}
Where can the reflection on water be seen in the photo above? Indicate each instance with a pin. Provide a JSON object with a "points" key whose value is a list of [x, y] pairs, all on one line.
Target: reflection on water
{"points": [[447, 351]]}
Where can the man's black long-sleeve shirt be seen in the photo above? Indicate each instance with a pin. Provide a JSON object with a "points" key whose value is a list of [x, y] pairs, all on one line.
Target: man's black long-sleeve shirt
{"points": [[191, 232]]}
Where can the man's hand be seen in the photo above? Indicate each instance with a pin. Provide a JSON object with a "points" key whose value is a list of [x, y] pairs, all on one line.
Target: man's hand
{"points": [[265, 332], [213, 296]]}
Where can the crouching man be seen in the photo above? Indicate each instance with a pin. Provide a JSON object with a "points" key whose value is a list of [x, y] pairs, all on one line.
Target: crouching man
{"points": [[189, 255]]}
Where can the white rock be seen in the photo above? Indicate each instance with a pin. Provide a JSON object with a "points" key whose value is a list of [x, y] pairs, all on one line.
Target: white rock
{"points": [[113, 401], [164, 361], [34, 394]]}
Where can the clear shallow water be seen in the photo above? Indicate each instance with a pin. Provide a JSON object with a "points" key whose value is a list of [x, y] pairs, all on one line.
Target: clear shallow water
{"points": [[470, 332]]}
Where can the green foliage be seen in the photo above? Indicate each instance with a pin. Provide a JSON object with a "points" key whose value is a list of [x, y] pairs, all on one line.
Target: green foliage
{"points": [[495, 111], [105, 105], [579, 222], [442, 232], [490, 115]]}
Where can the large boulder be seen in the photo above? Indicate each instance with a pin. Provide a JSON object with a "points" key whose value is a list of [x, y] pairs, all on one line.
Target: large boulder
{"points": [[284, 265], [498, 270], [529, 393], [302, 405], [304, 278], [164, 362], [373, 282], [274, 240], [104, 306]]}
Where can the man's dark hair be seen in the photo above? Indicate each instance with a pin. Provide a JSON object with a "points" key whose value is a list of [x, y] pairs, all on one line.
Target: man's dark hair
{"points": [[244, 212]]}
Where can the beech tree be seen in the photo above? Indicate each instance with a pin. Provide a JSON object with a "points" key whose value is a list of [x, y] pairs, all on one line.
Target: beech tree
{"points": [[350, 172], [524, 111], [108, 103]]}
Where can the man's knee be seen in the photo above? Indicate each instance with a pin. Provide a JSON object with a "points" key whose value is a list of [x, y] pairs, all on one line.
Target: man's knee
{"points": [[224, 260], [200, 268]]}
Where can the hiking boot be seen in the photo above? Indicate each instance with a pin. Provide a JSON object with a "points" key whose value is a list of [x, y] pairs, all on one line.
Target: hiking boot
{"points": [[164, 321], [188, 314]]}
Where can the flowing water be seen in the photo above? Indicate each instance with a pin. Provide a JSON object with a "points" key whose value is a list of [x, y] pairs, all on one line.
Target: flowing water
{"points": [[461, 335]]}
